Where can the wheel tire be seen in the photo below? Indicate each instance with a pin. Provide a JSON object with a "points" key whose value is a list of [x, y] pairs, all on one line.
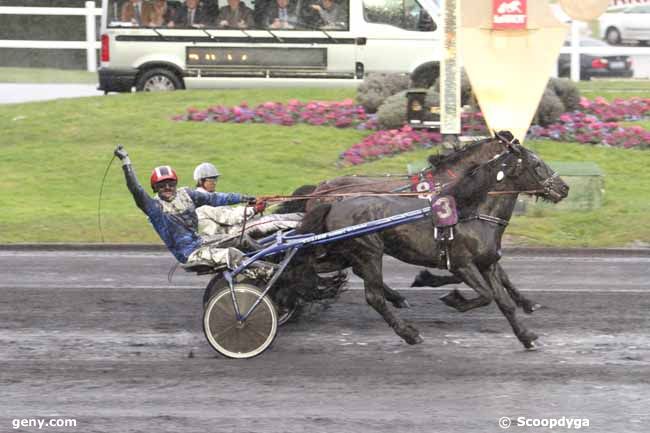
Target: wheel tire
{"points": [[613, 36], [218, 283], [158, 80], [235, 339]]}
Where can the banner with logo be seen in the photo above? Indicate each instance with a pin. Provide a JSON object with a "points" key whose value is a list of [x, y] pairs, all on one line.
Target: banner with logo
{"points": [[509, 15]]}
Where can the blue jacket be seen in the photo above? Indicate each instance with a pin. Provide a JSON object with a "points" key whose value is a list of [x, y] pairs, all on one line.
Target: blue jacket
{"points": [[176, 222]]}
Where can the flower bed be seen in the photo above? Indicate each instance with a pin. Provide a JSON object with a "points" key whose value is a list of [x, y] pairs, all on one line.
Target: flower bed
{"points": [[595, 123], [344, 114]]}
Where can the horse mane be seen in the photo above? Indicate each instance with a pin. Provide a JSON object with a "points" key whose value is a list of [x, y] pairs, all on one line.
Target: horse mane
{"points": [[453, 158]]}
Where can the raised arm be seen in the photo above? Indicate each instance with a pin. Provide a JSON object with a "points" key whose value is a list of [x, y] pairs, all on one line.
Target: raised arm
{"points": [[142, 199]]}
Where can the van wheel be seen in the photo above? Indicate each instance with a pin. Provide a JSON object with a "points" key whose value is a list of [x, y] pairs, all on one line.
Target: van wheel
{"points": [[158, 80], [613, 36]]}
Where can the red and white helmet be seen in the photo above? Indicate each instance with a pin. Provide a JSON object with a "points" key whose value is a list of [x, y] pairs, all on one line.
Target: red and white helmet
{"points": [[164, 172]]}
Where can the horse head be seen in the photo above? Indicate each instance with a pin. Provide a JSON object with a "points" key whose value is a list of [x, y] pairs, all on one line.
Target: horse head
{"points": [[531, 174]]}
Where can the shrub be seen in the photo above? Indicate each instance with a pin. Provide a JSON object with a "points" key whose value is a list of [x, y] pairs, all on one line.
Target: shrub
{"points": [[392, 113], [567, 91], [550, 108], [377, 87]]}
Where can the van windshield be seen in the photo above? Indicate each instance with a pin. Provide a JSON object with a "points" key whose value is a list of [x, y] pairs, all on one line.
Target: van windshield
{"points": [[230, 14]]}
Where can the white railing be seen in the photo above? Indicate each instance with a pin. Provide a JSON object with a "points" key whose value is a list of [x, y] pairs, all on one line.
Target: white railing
{"points": [[90, 44]]}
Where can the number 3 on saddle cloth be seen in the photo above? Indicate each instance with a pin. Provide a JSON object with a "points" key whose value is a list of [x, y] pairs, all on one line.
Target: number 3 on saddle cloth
{"points": [[444, 215]]}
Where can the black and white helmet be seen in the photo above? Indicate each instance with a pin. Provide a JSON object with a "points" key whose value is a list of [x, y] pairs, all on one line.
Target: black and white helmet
{"points": [[204, 170]]}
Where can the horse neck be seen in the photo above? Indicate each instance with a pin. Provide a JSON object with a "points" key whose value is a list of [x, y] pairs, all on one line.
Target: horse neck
{"points": [[503, 205], [500, 206], [452, 166]]}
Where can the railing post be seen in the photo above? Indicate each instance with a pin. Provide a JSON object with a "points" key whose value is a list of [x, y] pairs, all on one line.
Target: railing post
{"points": [[91, 37], [575, 51]]}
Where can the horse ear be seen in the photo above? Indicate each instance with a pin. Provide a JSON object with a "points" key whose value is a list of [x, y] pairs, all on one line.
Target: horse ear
{"points": [[505, 136], [434, 160]]}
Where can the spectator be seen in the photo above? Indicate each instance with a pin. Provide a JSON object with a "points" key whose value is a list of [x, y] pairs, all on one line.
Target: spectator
{"points": [[190, 15], [281, 15], [135, 12], [332, 15], [235, 16], [160, 14]]}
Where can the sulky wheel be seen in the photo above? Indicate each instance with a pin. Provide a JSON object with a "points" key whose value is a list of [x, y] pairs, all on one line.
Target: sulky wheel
{"points": [[285, 313], [235, 339]]}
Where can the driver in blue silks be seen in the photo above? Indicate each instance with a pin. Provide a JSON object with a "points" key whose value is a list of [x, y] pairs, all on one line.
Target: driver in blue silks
{"points": [[172, 213]]}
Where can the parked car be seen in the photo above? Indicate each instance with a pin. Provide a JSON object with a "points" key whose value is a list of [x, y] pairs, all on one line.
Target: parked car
{"points": [[594, 65], [630, 24]]}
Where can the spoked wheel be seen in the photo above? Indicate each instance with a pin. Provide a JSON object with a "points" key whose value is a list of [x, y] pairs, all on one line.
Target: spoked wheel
{"points": [[218, 283], [240, 339]]}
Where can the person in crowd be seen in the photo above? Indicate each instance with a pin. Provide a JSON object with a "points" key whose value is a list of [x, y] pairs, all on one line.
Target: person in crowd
{"points": [[281, 14], [211, 8], [136, 12], [172, 213], [332, 15], [235, 16], [191, 14], [228, 221], [160, 14]]}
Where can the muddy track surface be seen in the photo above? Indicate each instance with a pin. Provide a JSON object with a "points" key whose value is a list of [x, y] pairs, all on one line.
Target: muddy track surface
{"points": [[104, 339]]}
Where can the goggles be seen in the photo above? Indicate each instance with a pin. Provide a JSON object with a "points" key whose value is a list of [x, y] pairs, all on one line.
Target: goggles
{"points": [[166, 184]]}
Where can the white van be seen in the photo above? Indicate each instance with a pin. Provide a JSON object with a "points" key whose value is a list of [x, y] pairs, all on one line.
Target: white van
{"points": [[149, 45]]}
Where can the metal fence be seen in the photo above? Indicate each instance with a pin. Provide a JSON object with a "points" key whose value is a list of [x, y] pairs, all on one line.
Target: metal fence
{"points": [[90, 44]]}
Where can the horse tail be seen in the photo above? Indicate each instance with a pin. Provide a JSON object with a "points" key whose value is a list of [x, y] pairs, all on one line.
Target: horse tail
{"points": [[314, 221], [300, 205]]}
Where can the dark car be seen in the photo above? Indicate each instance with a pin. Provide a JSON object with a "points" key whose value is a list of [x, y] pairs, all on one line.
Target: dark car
{"points": [[595, 66]]}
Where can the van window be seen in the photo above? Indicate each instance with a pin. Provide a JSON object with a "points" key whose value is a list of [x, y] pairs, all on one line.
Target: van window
{"points": [[213, 14], [405, 14]]}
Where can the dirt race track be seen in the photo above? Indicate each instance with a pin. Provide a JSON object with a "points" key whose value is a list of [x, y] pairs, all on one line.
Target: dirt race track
{"points": [[104, 339]]}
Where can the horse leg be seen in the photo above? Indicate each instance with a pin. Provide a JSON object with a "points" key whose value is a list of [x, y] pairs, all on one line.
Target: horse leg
{"points": [[395, 298], [526, 304], [427, 279], [369, 268], [471, 276], [509, 309]]}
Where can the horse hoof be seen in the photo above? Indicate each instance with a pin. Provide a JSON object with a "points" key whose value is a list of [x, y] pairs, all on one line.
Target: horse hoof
{"points": [[529, 340], [532, 346], [531, 308], [414, 340], [452, 299], [411, 335], [401, 304]]}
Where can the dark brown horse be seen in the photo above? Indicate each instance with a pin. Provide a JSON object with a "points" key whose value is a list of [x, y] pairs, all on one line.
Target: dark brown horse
{"points": [[473, 254], [443, 170]]}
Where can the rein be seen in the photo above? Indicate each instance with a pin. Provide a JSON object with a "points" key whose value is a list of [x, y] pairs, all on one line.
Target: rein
{"points": [[377, 194]]}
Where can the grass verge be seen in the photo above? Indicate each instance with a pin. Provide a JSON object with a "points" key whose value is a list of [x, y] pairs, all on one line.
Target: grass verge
{"points": [[53, 156], [612, 89]]}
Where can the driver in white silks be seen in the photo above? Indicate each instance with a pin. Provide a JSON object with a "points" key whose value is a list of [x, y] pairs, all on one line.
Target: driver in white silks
{"points": [[228, 221]]}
